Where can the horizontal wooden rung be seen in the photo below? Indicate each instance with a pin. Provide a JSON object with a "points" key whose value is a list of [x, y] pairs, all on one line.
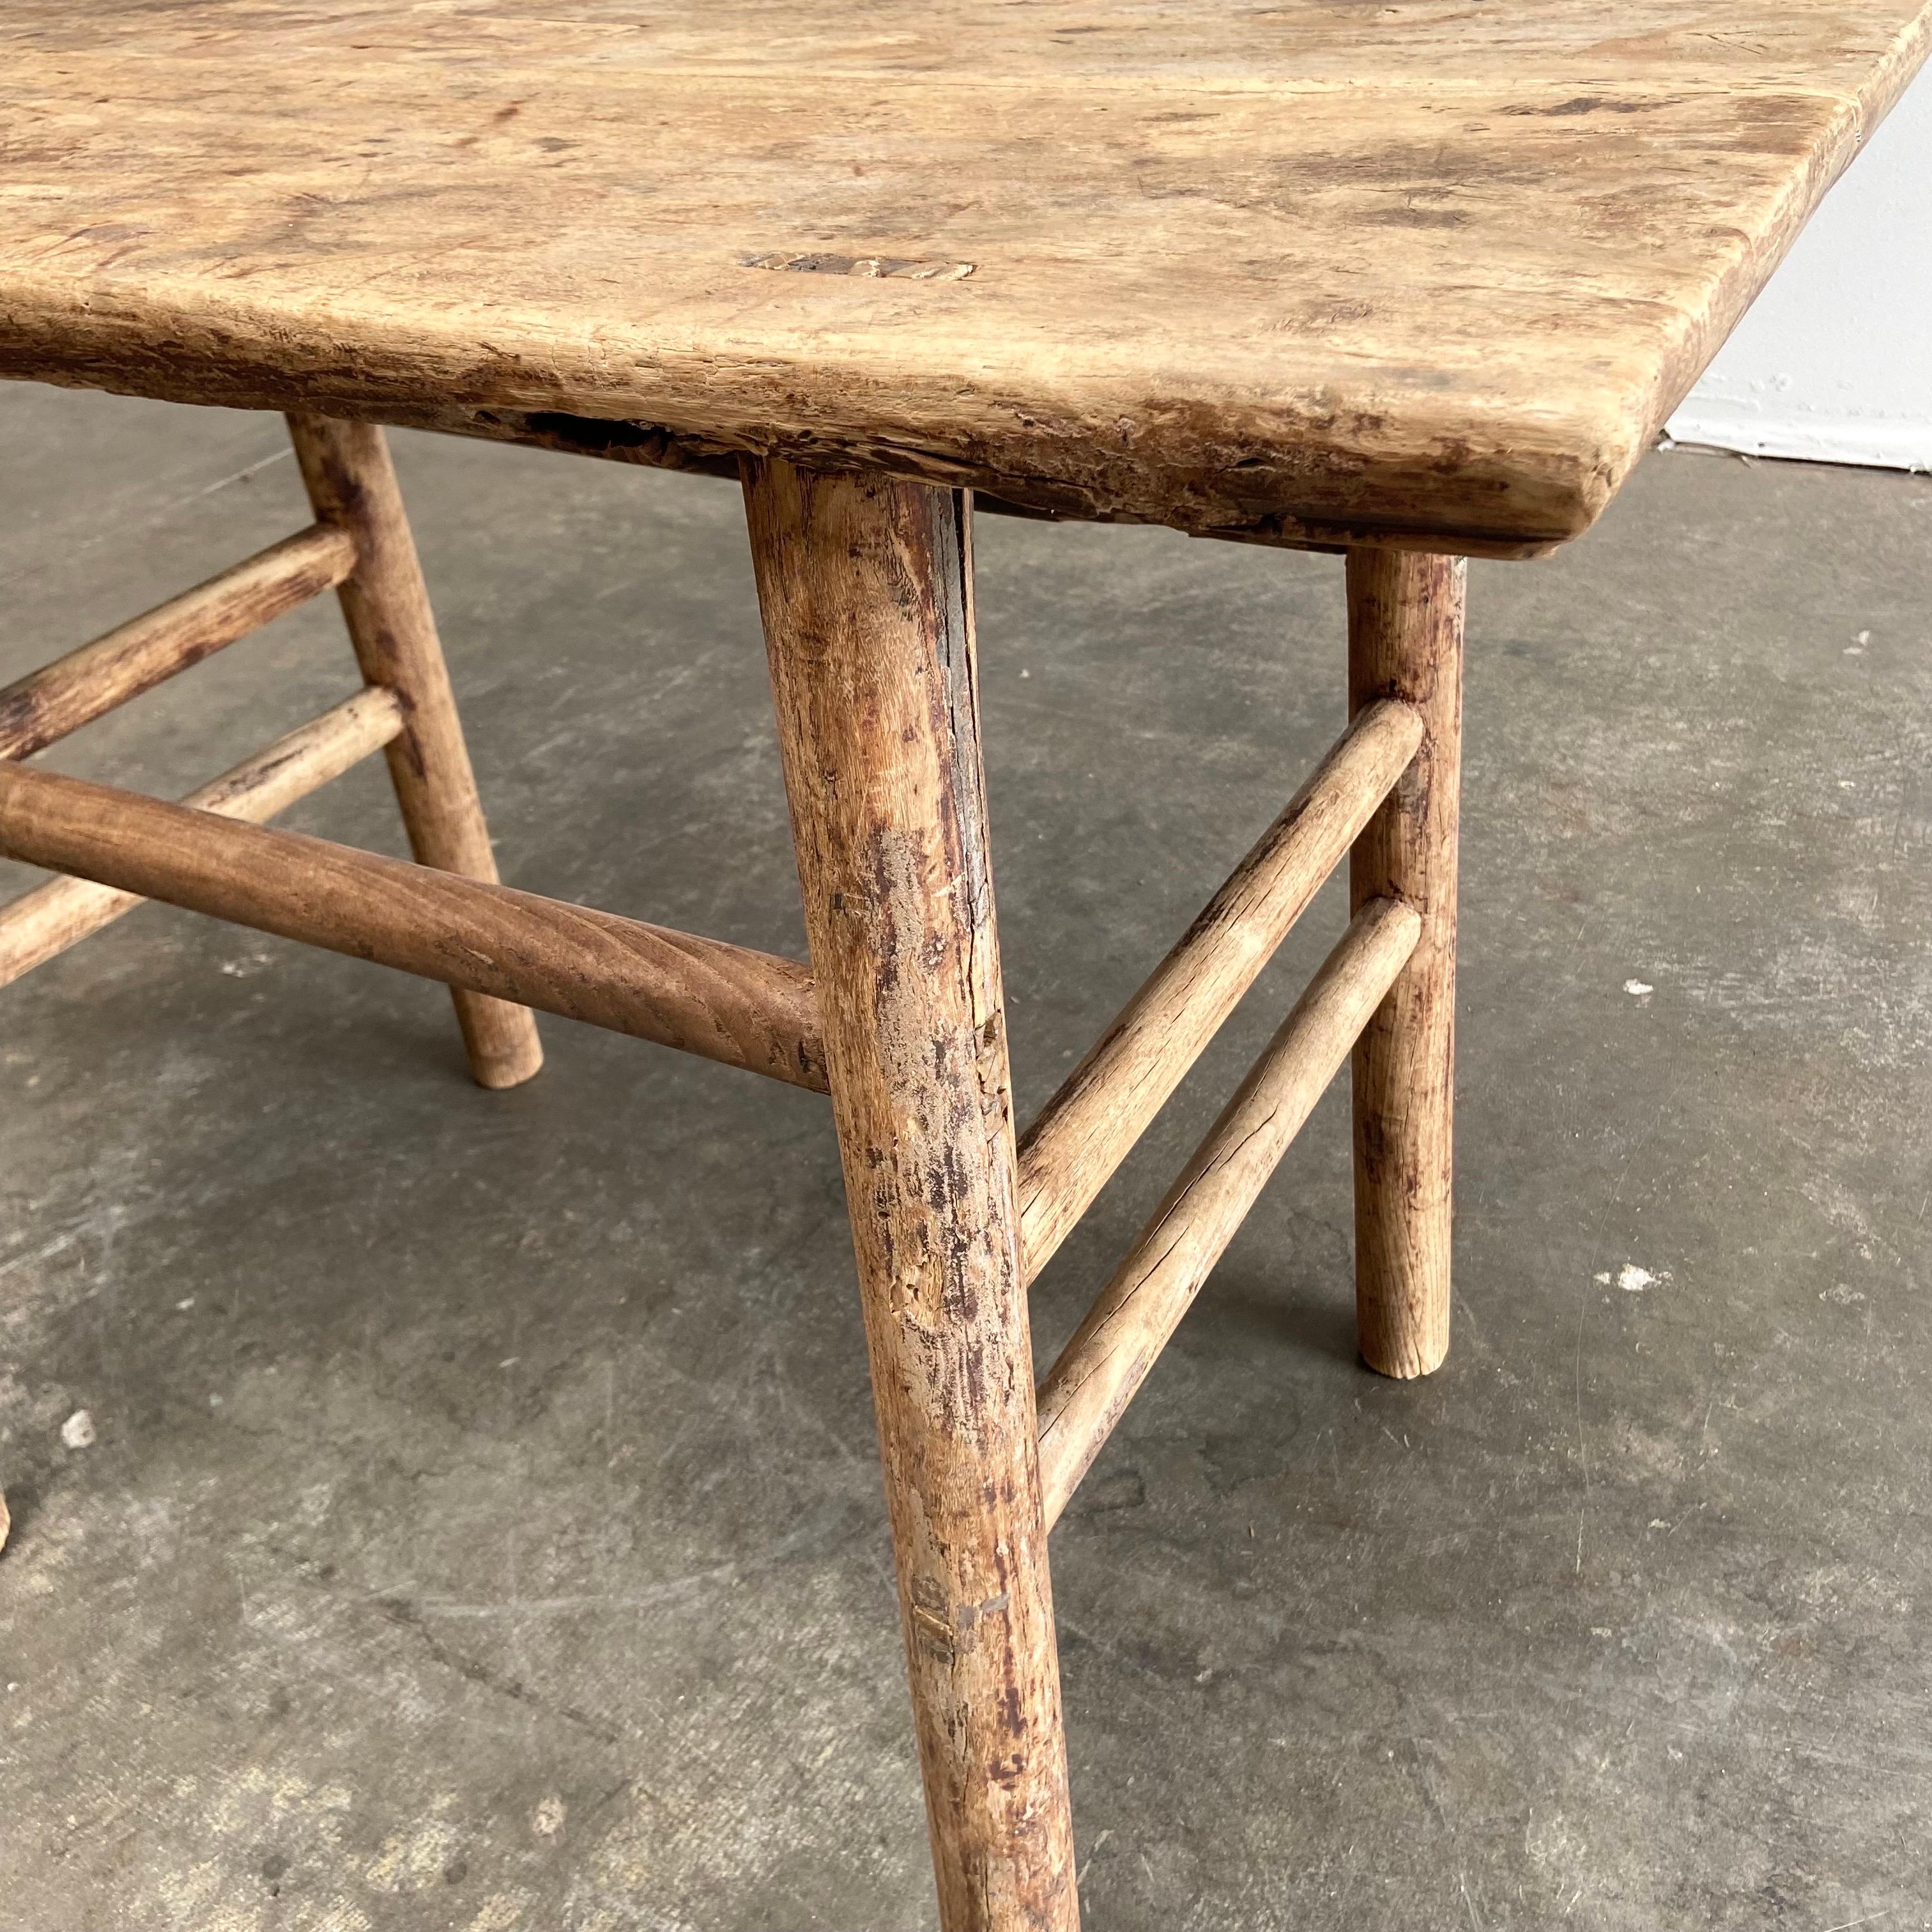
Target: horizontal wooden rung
{"points": [[1089, 1386], [86, 684], [1105, 1105], [727, 1003], [52, 917]]}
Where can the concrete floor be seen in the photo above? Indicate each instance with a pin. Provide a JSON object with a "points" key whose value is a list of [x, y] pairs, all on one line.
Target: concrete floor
{"points": [[484, 1529]]}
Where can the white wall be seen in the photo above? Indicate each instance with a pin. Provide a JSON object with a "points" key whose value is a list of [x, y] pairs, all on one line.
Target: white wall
{"points": [[1834, 361]]}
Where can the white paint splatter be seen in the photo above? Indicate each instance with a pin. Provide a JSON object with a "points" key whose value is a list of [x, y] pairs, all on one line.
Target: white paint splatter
{"points": [[1637, 988], [1633, 1280], [77, 1431], [548, 1820]]}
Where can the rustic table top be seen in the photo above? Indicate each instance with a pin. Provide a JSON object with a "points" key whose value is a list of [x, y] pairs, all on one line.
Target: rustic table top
{"points": [[1434, 270]]}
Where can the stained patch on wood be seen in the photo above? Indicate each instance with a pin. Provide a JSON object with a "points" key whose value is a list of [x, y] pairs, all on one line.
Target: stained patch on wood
{"points": [[879, 268]]}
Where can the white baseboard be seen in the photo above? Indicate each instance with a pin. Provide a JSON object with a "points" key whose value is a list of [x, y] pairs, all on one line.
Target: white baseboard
{"points": [[1810, 436]]}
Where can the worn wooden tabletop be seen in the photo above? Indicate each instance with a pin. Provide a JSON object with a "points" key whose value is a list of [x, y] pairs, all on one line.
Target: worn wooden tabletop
{"points": [[1432, 272]]}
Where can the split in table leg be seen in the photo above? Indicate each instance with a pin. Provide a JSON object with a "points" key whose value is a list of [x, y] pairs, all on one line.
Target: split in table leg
{"points": [[865, 587]]}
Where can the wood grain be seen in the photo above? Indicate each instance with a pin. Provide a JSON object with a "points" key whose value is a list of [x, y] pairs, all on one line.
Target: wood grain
{"points": [[866, 588], [1107, 1102], [1405, 642], [351, 483], [725, 1002], [1426, 274], [1089, 1386], [48, 920], [87, 683]]}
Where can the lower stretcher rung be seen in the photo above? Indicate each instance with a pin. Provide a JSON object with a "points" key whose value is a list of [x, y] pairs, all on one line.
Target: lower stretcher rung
{"points": [[1089, 1386], [1107, 1102], [727, 1003]]}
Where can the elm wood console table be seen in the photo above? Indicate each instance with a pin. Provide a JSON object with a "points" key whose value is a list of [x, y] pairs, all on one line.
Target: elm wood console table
{"points": [[1411, 283]]}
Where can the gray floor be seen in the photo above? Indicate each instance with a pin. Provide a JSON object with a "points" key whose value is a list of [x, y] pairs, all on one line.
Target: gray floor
{"points": [[484, 1527]]}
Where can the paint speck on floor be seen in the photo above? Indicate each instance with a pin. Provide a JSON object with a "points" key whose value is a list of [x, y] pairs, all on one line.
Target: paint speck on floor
{"points": [[1634, 1280], [77, 1431]]}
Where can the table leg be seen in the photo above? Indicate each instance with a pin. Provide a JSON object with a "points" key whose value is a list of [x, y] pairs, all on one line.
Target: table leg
{"points": [[865, 587], [1405, 641], [352, 482]]}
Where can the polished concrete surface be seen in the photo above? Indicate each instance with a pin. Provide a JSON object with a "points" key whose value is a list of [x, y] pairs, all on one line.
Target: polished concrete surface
{"points": [[483, 1529]]}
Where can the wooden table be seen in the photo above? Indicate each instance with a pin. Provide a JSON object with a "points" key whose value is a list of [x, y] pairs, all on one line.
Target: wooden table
{"points": [[1415, 282]]}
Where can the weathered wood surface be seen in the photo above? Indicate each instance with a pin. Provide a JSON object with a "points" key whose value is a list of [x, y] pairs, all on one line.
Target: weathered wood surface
{"points": [[87, 683], [1120, 1339], [1107, 1102], [1405, 642], [1271, 268], [52, 917], [701, 996], [866, 590], [351, 483]]}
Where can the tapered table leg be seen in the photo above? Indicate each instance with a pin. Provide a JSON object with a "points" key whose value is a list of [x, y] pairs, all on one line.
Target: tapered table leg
{"points": [[1405, 641], [352, 482], [865, 587]]}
